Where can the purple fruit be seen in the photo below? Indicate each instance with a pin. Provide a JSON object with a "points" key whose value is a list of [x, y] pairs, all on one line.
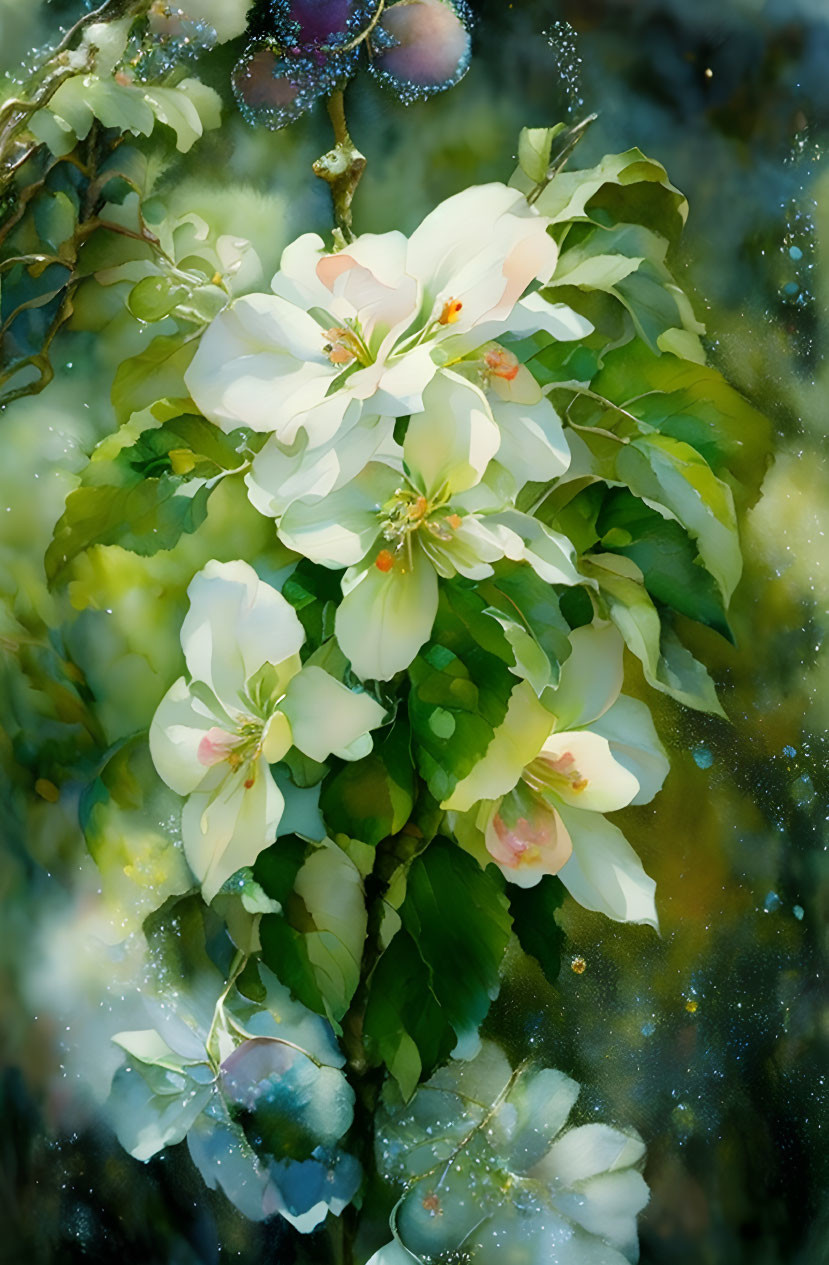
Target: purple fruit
{"points": [[421, 46], [304, 25], [273, 89], [317, 21]]}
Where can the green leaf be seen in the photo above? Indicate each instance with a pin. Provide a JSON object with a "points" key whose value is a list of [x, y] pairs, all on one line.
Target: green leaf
{"points": [[153, 298], [404, 1026], [189, 109], [459, 695], [372, 798], [155, 373], [668, 666], [143, 495], [315, 944], [56, 218], [143, 515], [693, 404], [533, 919], [663, 552], [521, 602], [458, 917], [671, 473], [534, 147], [629, 186]]}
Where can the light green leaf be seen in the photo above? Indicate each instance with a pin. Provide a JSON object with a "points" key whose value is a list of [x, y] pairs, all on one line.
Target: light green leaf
{"points": [[667, 665], [669, 472]]}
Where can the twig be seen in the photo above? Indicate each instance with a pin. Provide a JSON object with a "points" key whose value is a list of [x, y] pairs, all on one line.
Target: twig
{"points": [[342, 167]]}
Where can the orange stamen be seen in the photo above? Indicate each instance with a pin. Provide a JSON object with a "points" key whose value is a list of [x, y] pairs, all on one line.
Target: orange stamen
{"points": [[451, 312], [454, 520], [384, 560], [501, 363]]}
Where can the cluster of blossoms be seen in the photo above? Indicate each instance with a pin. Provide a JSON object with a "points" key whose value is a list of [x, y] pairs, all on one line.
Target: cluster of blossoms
{"points": [[401, 429]]}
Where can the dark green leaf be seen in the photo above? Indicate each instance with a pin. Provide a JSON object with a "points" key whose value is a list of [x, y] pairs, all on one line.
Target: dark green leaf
{"points": [[372, 798], [533, 918], [404, 1026], [666, 557], [458, 916]]}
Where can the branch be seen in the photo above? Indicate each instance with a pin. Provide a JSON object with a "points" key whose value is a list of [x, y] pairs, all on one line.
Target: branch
{"points": [[342, 167]]}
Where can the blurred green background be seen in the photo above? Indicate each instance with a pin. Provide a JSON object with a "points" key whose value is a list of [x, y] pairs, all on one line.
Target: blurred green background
{"points": [[712, 1040]]}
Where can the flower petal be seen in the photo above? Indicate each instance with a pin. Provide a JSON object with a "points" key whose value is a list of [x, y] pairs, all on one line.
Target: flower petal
{"points": [[550, 554], [516, 741], [177, 730], [297, 279], [370, 277], [236, 623], [583, 772], [591, 677], [226, 826], [533, 447], [604, 873], [261, 363], [339, 529], [326, 716], [628, 727], [453, 440], [386, 616], [535, 313], [587, 1151], [481, 247], [526, 837], [607, 1206]]}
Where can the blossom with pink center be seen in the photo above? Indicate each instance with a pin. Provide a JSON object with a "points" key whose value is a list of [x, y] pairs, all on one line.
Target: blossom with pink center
{"points": [[536, 800]]}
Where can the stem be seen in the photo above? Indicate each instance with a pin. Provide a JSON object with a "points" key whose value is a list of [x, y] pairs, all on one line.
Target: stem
{"points": [[342, 167]]}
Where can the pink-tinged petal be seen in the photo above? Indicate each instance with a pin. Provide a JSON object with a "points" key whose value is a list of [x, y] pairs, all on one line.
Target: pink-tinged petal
{"points": [[480, 248], [526, 837], [178, 727], [216, 746], [579, 768]]}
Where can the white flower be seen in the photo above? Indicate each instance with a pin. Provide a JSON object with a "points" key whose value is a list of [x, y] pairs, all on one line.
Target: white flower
{"points": [[555, 766], [492, 1173], [399, 525], [375, 322], [249, 700]]}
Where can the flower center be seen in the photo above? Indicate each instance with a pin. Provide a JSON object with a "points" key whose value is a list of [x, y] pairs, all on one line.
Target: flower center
{"points": [[407, 513], [242, 748], [549, 773], [344, 346], [500, 363]]}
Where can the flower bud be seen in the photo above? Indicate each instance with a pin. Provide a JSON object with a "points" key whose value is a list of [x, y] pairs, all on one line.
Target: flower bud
{"points": [[421, 47]]}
